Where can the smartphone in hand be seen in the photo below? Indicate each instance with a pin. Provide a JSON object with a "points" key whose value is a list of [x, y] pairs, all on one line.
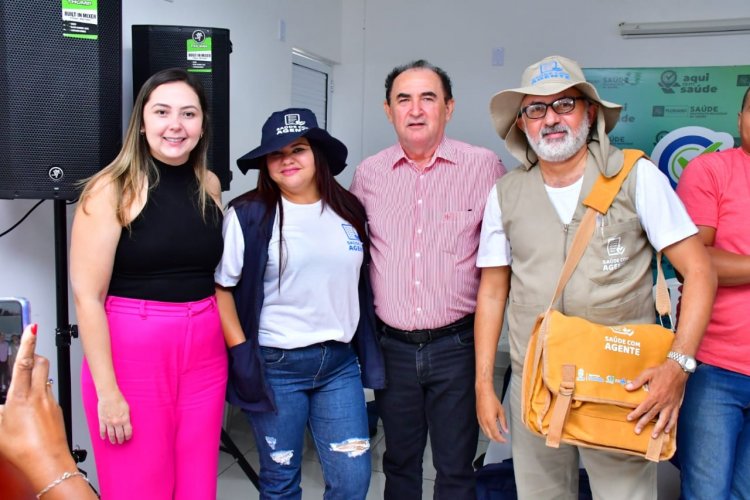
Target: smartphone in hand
{"points": [[15, 315]]}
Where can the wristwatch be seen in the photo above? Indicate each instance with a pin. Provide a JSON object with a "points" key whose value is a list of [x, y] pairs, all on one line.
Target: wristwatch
{"points": [[687, 363]]}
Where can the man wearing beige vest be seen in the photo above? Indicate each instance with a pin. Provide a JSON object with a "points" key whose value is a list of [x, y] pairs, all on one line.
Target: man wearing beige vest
{"points": [[556, 125]]}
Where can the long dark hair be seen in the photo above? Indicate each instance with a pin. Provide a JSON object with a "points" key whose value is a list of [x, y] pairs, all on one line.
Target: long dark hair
{"points": [[332, 194]]}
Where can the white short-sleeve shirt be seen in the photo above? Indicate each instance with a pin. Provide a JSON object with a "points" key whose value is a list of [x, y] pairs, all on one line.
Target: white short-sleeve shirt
{"points": [[661, 213], [317, 298]]}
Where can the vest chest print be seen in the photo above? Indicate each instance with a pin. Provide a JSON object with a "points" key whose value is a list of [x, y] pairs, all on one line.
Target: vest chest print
{"points": [[615, 254]]}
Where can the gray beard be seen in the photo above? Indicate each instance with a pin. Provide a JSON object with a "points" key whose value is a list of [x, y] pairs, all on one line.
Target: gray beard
{"points": [[560, 150]]}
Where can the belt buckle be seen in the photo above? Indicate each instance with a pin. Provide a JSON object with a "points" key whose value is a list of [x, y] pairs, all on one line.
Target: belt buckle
{"points": [[416, 337], [424, 336]]}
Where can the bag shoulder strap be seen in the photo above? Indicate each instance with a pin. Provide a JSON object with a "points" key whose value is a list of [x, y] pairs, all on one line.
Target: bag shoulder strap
{"points": [[599, 200], [605, 189]]}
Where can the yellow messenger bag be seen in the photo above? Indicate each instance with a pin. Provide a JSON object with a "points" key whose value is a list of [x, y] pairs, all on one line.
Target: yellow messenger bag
{"points": [[575, 371]]}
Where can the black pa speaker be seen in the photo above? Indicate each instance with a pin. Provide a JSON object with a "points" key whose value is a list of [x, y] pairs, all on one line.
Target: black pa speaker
{"points": [[204, 52], [60, 94]]}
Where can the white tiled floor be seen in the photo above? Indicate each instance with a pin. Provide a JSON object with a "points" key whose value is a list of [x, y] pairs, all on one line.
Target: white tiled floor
{"points": [[234, 485]]}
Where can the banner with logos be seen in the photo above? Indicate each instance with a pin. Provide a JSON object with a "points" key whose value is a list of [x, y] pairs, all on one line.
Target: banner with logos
{"points": [[674, 114]]}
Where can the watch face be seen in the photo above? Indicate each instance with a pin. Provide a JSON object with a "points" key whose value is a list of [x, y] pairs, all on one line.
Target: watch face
{"points": [[690, 364]]}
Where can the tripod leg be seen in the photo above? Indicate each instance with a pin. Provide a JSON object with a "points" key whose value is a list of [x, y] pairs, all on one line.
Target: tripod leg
{"points": [[231, 448]]}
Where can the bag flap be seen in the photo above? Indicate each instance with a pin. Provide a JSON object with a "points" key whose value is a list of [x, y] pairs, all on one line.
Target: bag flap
{"points": [[605, 357]]}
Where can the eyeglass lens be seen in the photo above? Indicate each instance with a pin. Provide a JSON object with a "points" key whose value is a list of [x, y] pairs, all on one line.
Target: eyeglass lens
{"points": [[562, 106]]}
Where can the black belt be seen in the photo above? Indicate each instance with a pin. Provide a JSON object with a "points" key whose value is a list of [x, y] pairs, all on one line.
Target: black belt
{"points": [[427, 335]]}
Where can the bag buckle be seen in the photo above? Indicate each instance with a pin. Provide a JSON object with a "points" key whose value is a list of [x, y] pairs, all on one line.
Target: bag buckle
{"points": [[670, 324]]}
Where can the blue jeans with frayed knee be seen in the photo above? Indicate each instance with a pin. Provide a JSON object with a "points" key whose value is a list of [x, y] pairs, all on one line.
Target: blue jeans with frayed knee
{"points": [[319, 387]]}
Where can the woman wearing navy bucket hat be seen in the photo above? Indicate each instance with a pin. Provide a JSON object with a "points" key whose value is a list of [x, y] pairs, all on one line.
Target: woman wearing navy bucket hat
{"points": [[296, 308]]}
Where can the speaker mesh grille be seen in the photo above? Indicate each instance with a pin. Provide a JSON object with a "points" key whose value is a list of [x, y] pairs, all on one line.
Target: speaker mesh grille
{"points": [[60, 99]]}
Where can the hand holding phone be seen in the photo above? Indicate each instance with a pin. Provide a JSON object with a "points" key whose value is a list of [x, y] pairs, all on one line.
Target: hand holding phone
{"points": [[14, 317], [32, 433]]}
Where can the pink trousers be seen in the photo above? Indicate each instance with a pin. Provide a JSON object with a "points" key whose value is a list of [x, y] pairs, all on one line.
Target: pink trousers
{"points": [[170, 363]]}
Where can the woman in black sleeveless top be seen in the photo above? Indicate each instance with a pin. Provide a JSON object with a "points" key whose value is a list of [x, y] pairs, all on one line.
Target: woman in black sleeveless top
{"points": [[145, 241]]}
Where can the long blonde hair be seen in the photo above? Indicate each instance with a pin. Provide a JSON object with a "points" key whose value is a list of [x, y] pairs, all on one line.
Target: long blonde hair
{"points": [[134, 163]]}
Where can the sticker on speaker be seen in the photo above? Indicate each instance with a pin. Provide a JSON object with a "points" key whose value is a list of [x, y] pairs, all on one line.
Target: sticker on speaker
{"points": [[199, 53], [80, 19]]}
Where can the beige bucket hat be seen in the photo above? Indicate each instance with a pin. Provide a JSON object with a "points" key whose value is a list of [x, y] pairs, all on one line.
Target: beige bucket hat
{"points": [[549, 76]]}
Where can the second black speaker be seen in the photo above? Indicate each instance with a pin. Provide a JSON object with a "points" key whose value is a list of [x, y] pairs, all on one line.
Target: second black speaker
{"points": [[204, 52]]}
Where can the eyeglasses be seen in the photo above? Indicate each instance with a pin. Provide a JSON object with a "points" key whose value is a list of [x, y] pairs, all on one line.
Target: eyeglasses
{"points": [[562, 106]]}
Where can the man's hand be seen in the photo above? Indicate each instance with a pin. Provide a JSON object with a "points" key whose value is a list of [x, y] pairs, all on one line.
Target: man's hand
{"points": [[666, 387], [490, 413]]}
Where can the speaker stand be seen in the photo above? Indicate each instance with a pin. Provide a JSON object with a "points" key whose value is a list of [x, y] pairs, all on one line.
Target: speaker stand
{"points": [[228, 446], [64, 331]]}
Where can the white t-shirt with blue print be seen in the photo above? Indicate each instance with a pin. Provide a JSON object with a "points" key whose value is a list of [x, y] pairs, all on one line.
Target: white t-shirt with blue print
{"points": [[317, 298]]}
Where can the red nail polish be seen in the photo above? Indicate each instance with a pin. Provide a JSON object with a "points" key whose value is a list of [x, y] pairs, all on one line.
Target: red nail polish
{"points": [[33, 329]]}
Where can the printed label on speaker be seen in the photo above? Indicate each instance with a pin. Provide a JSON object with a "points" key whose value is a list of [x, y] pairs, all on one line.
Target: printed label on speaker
{"points": [[199, 52], [80, 19]]}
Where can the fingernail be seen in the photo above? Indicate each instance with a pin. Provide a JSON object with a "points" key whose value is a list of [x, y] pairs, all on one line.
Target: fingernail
{"points": [[33, 328]]}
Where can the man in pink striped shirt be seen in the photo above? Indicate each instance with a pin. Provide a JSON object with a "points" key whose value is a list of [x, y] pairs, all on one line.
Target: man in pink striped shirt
{"points": [[424, 202]]}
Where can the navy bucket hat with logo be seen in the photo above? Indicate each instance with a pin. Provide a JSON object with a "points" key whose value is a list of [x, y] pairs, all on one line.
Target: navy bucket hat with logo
{"points": [[283, 127]]}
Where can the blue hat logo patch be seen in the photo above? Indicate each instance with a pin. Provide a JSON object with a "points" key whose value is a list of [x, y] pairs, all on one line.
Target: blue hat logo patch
{"points": [[550, 70]]}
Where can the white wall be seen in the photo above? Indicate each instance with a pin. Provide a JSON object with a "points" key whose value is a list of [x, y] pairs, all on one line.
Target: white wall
{"points": [[368, 38]]}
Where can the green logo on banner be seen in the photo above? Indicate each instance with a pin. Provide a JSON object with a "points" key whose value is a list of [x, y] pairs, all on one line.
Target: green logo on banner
{"points": [[675, 149], [668, 81]]}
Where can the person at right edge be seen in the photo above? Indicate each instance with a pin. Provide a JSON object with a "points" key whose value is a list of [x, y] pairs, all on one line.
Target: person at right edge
{"points": [[556, 125], [714, 434]]}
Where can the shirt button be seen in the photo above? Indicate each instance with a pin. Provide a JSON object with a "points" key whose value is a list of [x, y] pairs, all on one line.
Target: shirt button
{"points": [[417, 255], [419, 309], [419, 202], [419, 231], [417, 282]]}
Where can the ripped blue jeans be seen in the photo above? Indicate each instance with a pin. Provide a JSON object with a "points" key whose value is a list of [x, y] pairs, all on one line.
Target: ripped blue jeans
{"points": [[316, 387]]}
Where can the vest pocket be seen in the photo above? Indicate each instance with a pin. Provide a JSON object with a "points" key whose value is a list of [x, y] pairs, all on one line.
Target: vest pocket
{"points": [[610, 252], [521, 320]]}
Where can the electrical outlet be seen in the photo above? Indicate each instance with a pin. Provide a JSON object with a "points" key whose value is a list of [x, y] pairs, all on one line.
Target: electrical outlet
{"points": [[498, 56]]}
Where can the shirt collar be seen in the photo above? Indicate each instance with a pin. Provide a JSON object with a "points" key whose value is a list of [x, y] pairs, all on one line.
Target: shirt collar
{"points": [[445, 151]]}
